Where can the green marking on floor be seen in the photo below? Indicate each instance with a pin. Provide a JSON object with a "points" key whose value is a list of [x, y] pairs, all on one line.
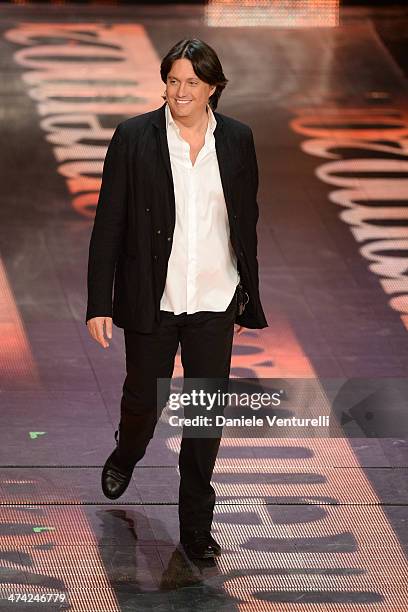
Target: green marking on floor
{"points": [[35, 434], [40, 529]]}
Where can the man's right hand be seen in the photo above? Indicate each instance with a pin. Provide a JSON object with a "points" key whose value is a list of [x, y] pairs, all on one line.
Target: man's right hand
{"points": [[97, 326]]}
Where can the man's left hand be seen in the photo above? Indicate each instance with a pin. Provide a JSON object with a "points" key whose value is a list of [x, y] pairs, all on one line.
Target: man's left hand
{"points": [[239, 329]]}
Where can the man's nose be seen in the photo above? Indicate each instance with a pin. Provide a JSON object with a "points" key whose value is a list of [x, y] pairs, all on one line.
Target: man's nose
{"points": [[181, 90]]}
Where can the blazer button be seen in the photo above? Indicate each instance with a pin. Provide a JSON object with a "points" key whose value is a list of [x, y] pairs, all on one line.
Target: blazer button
{"points": [[155, 257], [234, 216], [158, 231], [169, 238], [241, 253], [147, 209]]}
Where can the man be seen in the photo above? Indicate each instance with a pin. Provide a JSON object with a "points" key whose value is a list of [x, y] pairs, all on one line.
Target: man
{"points": [[175, 237]]}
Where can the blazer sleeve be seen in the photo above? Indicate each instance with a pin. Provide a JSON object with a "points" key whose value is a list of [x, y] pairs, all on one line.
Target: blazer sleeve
{"points": [[108, 229], [254, 183]]}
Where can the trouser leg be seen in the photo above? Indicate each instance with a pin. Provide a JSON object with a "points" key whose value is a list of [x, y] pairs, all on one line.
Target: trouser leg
{"points": [[206, 346], [148, 357]]}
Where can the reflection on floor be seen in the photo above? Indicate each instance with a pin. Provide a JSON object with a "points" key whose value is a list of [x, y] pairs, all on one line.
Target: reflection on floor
{"points": [[305, 523]]}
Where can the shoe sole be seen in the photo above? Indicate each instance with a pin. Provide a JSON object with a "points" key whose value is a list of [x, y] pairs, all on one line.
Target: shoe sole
{"points": [[197, 557], [204, 557]]}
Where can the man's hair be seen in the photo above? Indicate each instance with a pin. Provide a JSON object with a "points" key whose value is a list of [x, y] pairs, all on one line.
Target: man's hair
{"points": [[205, 63]]}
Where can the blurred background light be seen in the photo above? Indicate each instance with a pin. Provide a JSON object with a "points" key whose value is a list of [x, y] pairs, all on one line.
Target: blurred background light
{"points": [[276, 13]]}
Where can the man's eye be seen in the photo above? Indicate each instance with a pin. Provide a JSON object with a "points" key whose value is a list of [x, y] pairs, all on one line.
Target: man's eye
{"points": [[172, 82]]}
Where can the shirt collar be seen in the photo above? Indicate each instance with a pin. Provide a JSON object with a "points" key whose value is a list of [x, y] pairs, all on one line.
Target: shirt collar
{"points": [[212, 123]]}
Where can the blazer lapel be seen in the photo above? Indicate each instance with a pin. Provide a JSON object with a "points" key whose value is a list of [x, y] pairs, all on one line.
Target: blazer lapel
{"points": [[159, 120], [225, 157]]}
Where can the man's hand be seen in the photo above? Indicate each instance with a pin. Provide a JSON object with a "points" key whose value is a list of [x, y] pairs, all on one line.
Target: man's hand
{"points": [[96, 329], [239, 329]]}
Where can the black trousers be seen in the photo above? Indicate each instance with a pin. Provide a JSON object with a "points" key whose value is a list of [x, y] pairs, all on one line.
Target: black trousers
{"points": [[206, 345]]}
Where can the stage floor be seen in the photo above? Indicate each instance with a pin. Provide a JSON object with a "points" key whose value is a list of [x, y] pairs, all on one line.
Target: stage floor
{"points": [[305, 523]]}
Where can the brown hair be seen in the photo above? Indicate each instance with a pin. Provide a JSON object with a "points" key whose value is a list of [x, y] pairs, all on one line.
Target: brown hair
{"points": [[205, 63]]}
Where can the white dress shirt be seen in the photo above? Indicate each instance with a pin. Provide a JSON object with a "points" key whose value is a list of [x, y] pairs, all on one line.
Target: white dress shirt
{"points": [[202, 270]]}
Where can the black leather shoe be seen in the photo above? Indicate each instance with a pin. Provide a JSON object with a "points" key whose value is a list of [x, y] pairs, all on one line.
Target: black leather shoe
{"points": [[115, 479], [200, 545], [215, 546]]}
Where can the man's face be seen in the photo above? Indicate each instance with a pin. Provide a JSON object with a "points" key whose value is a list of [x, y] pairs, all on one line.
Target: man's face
{"points": [[187, 95]]}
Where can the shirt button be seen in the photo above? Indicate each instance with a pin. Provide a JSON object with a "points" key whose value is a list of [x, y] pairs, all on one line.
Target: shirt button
{"points": [[147, 209]]}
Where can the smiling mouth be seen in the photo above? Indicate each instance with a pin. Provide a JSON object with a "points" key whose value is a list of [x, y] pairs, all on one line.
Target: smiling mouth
{"points": [[182, 101]]}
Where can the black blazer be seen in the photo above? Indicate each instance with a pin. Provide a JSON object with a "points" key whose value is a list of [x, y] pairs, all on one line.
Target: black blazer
{"points": [[135, 217]]}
